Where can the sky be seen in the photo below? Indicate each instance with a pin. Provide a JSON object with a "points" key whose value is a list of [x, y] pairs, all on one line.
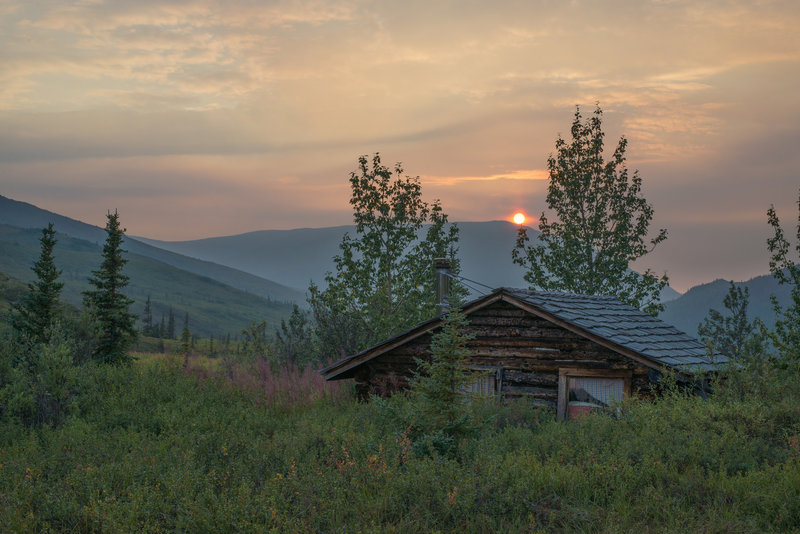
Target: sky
{"points": [[199, 118]]}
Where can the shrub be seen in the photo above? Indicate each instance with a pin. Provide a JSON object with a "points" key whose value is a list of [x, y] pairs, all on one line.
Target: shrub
{"points": [[43, 388]]}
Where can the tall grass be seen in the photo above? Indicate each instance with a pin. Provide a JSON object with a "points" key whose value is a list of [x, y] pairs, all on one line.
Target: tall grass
{"points": [[287, 386], [161, 447]]}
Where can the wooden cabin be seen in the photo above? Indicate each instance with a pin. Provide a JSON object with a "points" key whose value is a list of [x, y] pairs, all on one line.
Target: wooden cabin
{"points": [[574, 353]]}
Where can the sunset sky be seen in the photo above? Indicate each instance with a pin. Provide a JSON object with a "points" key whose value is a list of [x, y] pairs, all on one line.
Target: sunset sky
{"points": [[201, 118]]}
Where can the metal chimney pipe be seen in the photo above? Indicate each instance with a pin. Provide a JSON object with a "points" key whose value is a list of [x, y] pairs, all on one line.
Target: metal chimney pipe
{"points": [[442, 266]]}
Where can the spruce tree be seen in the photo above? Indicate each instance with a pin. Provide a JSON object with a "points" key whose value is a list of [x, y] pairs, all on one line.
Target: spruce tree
{"points": [[186, 336], [171, 325], [147, 318], [33, 317], [439, 388], [106, 304]]}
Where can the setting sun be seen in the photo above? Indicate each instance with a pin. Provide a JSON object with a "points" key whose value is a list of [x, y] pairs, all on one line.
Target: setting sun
{"points": [[519, 218]]}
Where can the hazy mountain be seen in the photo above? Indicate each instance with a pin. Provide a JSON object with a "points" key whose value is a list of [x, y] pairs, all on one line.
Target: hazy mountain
{"points": [[689, 310], [24, 215], [294, 257], [214, 308]]}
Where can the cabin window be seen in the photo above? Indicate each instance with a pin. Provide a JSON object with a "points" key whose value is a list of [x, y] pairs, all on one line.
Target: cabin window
{"points": [[588, 394], [585, 390], [487, 382]]}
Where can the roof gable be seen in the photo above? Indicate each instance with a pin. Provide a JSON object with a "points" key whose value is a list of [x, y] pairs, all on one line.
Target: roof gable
{"points": [[620, 327], [602, 319]]}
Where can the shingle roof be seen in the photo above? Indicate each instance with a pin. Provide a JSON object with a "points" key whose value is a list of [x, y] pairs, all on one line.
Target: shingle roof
{"points": [[605, 317], [624, 325]]}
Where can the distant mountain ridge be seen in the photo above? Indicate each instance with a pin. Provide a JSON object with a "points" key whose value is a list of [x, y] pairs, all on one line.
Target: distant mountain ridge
{"points": [[23, 215], [689, 310], [279, 264], [295, 257]]}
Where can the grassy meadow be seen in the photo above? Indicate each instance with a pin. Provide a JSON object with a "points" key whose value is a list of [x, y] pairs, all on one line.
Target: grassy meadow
{"points": [[207, 445]]}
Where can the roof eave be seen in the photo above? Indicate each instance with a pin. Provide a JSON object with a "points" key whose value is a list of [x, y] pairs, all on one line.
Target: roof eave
{"points": [[338, 370]]}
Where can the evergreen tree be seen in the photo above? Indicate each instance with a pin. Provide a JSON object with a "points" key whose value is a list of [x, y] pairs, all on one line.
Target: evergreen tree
{"points": [[439, 387], [171, 325], [147, 318], [107, 304], [733, 334], [39, 309], [186, 336], [601, 224], [785, 269], [383, 282]]}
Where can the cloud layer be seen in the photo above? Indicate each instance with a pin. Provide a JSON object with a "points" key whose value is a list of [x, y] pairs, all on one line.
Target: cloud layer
{"points": [[198, 118]]}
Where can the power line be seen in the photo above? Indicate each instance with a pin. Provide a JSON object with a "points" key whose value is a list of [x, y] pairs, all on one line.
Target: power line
{"points": [[464, 281]]}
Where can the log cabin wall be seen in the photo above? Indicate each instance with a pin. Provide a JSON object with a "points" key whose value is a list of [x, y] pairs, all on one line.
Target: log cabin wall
{"points": [[529, 350]]}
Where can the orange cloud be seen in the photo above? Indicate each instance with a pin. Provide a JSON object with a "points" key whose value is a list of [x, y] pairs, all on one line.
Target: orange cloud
{"points": [[533, 174]]}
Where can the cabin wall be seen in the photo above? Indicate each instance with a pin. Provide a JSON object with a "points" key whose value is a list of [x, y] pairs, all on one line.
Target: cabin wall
{"points": [[530, 350]]}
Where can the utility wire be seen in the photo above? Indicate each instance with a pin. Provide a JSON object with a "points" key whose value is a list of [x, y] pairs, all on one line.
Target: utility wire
{"points": [[464, 281], [451, 275]]}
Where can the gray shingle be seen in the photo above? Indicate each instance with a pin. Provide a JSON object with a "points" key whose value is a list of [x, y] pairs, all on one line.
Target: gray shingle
{"points": [[623, 325]]}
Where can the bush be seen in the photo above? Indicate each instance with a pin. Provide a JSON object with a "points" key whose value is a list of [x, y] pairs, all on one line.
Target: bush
{"points": [[155, 447], [42, 389]]}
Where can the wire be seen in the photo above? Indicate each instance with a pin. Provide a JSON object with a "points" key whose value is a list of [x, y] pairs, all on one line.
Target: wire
{"points": [[464, 281], [451, 275]]}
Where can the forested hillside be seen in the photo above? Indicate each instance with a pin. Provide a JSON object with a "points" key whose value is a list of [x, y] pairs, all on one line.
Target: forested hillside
{"points": [[24, 215], [214, 308]]}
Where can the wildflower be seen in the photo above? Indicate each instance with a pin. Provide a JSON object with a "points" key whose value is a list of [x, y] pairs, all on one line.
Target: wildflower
{"points": [[451, 496]]}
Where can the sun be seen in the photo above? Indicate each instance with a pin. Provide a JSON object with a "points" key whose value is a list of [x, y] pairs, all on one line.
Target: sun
{"points": [[519, 218]]}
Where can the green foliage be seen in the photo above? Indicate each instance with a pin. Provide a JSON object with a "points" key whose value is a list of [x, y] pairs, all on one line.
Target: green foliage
{"points": [[171, 325], [150, 449], [39, 308], [255, 343], [786, 336], [107, 303], [601, 224], [41, 389], [186, 336], [383, 282], [216, 308], [294, 341], [437, 397], [733, 334], [148, 329]]}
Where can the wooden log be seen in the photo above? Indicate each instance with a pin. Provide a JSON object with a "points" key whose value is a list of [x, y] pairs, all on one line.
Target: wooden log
{"points": [[541, 353], [532, 379], [531, 391], [503, 341], [525, 321], [519, 332]]}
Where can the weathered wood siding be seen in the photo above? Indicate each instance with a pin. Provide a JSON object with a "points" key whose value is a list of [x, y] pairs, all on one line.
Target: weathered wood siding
{"points": [[530, 350]]}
